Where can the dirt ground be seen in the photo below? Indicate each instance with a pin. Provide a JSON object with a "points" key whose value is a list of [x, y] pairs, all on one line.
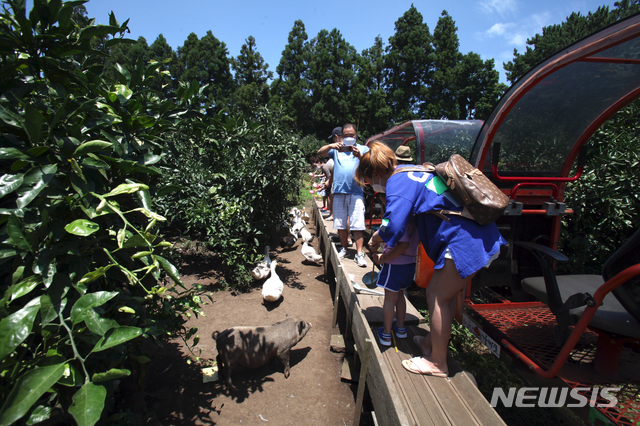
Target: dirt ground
{"points": [[314, 392]]}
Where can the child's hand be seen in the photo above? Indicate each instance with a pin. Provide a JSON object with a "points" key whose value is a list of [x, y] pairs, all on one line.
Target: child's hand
{"points": [[377, 258]]}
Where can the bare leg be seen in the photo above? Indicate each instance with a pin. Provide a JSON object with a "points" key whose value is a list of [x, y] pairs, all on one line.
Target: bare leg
{"points": [[388, 310], [359, 237], [442, 301], [343, 234], [401, 309]]}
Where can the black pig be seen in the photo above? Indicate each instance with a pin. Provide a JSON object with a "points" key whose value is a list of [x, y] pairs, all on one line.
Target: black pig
{"points": [[252, 347]]}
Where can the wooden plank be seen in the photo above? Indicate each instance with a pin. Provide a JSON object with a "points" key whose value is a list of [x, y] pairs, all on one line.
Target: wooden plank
{"points": [[478, 404], [389, 406], [420, 398], [371, 306]]}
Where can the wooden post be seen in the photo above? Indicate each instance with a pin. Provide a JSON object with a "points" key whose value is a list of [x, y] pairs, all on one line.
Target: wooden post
{"points": [[336, 301], [364, 365]]}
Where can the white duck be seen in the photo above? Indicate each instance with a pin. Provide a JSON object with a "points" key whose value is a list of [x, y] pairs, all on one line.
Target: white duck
{"points": [[309, 253], [296, 228], [262, 269], [304, 215], [306, 235], [273, 286]]}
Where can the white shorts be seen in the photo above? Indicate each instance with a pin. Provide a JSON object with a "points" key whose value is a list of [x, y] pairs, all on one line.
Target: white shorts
{"points": [[348, 212]]}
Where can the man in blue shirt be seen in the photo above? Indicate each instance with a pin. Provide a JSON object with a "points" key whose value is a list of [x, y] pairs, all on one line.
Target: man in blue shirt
{"points": [[348, 199]]}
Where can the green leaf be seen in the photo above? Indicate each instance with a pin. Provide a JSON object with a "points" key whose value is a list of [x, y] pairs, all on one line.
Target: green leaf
{"points": [[88, 302], [27, 390], [97, 324], [121, 91], [71, 377], [9, 183], [92, 146], [93, 163], [88, 404], [168, 267], [94, 275], [39, 414], [16, 236], [115, 337], [16, 327], [97, 31], [33, 123], [114, 373], [39, 179], [24, 287], [49, 311], [126, 188], [13, 154], [169, 189], [82, 227]]}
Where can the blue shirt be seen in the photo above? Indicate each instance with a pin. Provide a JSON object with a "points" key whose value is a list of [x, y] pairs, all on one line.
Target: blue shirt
{"points": [[410, 196], [344, 168]]}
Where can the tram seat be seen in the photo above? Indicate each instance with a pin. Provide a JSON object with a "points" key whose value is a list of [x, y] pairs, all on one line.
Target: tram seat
{"points": [[617, 319]]}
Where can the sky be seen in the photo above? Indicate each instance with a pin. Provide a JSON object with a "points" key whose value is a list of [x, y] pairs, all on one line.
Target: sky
{"points": [[491, 28]]}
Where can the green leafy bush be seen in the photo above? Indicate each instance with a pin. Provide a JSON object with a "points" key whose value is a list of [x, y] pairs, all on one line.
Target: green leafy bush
{"points": [[237, 183], [83, 276], [605, 199]]}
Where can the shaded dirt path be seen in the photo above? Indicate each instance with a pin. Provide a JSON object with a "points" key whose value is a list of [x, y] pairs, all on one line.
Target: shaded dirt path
{"points": [[313, 393]]}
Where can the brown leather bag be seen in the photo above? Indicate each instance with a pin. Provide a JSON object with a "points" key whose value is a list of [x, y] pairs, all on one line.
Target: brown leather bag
{"points": [[483, 201]]}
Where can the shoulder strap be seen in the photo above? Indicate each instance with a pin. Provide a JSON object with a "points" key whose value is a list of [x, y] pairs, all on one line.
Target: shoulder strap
{"points": [[426, 168]]}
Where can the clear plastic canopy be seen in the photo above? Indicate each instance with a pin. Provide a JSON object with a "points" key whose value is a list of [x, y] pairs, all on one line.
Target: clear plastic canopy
{"points": [[547, 115]]}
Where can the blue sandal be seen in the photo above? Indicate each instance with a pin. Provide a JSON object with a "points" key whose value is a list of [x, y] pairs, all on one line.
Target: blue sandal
{"points": [[401, 332], [384, 338]]}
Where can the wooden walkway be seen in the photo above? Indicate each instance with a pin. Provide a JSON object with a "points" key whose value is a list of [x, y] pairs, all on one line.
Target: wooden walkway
{"points": [[399, 397]]}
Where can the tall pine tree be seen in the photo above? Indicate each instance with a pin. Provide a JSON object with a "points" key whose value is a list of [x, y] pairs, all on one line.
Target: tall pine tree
{"points": [[161, 51], [291, 89], [368, 96], [207, 62], [443, 90], [331, 73], [251, 77], [408, 68]]}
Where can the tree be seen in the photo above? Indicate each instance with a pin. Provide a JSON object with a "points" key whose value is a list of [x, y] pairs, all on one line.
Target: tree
{"points": [[408, 67], [479, 89], [331, 72], [558, 36], [161, 52], [206, 62], [444, 89], [291, 89], [368, 96], [251, 77]]}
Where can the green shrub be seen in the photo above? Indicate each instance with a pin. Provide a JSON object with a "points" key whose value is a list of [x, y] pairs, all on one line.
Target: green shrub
{"points": [[83, 274], [605, 199], [237, 184]]}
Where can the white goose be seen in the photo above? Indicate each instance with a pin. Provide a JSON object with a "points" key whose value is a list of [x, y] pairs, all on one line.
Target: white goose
{"points": [[262, 269], [296, 228], [306, 235], [309, 253], [273, 286], [304, 215]]}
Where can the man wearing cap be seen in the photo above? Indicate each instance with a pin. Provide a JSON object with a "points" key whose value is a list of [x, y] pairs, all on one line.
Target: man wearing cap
{"points": [[348, 199]]}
